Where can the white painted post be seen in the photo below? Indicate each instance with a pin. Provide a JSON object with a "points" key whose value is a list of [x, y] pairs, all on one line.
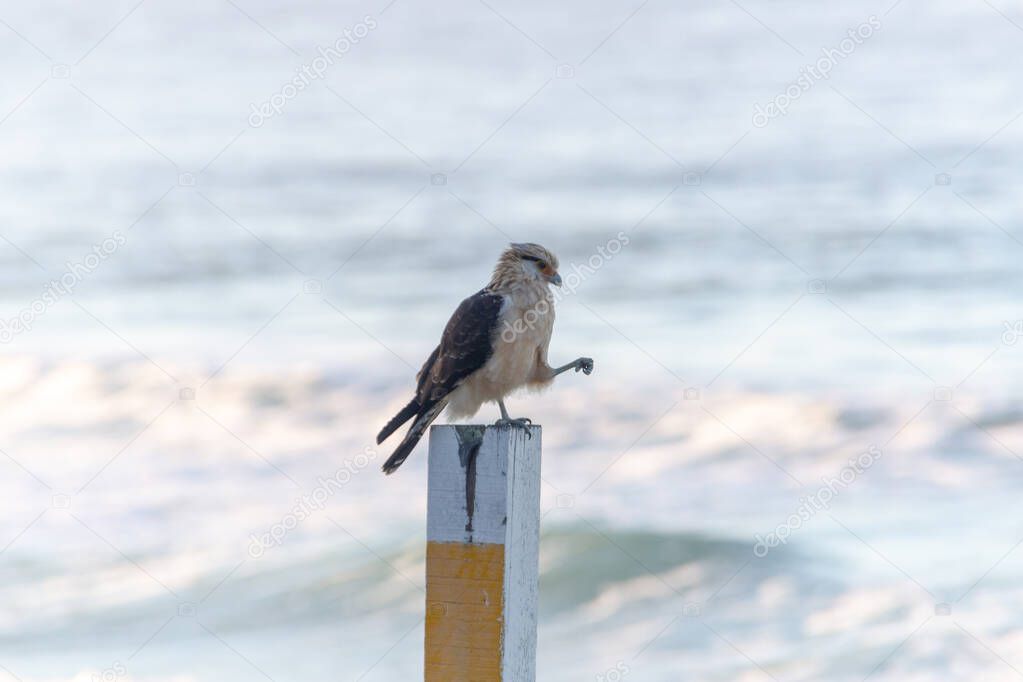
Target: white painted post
{"points": [[482, 556]]}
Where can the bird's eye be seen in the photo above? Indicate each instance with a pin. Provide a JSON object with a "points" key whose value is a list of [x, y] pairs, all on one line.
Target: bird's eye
{"points": [[542, 265]]}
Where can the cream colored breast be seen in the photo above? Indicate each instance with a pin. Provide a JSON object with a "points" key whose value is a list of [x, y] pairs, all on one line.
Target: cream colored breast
{"points": [[526, 324]]}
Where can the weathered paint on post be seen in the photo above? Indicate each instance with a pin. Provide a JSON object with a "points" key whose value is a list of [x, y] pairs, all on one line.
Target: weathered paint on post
{"points": [[482, 554]]}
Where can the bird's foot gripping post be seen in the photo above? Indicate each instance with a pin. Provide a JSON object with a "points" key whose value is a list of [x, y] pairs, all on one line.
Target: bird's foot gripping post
{"points": [[482, 555], [523, 423]]}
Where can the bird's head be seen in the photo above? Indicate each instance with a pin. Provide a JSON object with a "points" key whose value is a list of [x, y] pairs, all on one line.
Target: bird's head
{"points": [[530, 262]]}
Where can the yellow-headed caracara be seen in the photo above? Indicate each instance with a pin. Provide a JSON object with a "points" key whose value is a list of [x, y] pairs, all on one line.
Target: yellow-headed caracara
{"points": [[495, 343]]}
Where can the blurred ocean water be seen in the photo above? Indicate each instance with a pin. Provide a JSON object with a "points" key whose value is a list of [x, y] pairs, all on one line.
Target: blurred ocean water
{"points": [[206, 314]]}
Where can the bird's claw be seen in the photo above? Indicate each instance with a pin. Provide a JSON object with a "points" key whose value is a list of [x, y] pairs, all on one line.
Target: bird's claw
{"points": [[584, 364], [521, 423]]}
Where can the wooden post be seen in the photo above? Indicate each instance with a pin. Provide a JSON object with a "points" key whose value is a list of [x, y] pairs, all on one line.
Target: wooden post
{"points": [[482, 554]]}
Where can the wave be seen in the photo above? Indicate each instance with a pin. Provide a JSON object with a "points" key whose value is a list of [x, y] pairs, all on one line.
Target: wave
{"points": [[666, 494]]}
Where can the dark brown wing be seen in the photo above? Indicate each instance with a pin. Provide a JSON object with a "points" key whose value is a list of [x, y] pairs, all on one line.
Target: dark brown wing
{"points": [[465, 346]]}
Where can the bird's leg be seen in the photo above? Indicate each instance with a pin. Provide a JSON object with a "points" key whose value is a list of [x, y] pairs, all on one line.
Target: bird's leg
{"points": [[505, 420], [583, 364]]}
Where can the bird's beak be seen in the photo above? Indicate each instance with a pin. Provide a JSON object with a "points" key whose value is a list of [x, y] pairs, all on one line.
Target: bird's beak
{"points": [[555, 279]]}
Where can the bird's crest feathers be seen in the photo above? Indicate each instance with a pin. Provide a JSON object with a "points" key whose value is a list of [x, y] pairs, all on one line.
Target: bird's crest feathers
{"points": [[511, 266]]}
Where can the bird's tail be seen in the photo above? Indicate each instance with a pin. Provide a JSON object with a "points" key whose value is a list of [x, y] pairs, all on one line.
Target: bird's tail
{"points": [[415, 432], [406, 413]]}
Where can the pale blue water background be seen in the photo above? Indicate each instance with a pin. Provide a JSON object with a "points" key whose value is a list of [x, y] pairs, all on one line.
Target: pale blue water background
{"points": [[652, 500]]}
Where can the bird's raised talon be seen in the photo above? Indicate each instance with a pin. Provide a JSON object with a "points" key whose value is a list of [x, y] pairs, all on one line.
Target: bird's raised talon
{"points": [[584, 364]]}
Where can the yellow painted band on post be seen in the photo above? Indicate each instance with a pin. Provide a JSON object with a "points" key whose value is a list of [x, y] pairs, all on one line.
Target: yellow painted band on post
{"points": [[464, 611]]}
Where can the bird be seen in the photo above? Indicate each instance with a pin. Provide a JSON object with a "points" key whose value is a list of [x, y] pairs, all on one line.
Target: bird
{"points": [[495, 343]]}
